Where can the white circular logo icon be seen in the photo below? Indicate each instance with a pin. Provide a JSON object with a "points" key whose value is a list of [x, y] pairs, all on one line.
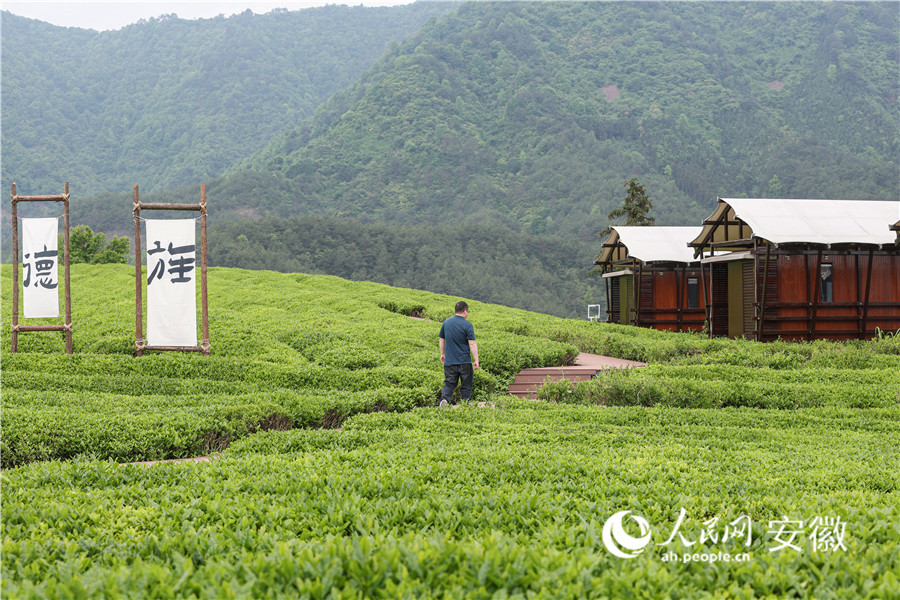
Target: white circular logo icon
{"points": [[619, 542]]}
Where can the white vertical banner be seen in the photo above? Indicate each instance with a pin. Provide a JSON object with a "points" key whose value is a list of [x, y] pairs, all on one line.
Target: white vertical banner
{"points": [[171, 282], [40, 268]]}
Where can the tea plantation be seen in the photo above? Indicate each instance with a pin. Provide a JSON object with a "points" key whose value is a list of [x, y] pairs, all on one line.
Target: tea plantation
{"points": [[761, 471]]}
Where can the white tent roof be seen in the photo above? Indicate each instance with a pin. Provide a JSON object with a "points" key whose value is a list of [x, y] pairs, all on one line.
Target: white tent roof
{"points": [[649, 244], [818, 221]]}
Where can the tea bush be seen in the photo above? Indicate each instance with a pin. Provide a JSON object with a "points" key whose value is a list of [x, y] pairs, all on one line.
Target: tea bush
{"points": [[481, 503], [711, 386]]}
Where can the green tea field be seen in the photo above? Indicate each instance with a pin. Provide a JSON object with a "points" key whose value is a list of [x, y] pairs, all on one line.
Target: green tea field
{"points": [[724, 469]]}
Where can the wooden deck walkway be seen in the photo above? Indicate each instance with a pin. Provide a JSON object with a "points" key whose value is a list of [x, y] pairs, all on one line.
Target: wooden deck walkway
{"points": [[529, 381]]}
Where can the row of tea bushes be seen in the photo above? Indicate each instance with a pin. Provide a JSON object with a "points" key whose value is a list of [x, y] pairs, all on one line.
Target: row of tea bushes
{"points": [[42, 425], [720, 385], [475, 503]]}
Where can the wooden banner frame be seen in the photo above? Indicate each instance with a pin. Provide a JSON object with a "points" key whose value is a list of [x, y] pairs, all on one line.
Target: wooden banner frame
{"points": [[16, 328], [140, 343]]}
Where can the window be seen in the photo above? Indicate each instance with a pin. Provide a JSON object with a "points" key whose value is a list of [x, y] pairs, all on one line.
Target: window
{"points": [[826, 283], [693, 292]]}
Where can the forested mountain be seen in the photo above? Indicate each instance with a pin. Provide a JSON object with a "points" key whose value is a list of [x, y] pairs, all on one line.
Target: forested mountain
{"points": [[516, 117], [167, 101], [533, 114]]}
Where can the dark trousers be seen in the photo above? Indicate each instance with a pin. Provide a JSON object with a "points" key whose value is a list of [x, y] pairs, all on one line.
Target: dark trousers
{"points": [[461, 373]]}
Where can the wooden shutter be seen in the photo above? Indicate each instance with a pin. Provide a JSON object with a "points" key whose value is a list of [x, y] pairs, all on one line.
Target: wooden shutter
{"points": [[719, 286], [749, 285], [614, 292], [646, 293]]}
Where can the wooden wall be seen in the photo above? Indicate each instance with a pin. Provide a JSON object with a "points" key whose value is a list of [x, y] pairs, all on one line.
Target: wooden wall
{"points": [[658, 297], [795, 308], [664, 298]]}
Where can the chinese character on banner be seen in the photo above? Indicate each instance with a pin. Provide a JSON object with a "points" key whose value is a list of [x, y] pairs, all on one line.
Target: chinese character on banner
{"points": [[178, 263], [40, 272], [171, 283]]}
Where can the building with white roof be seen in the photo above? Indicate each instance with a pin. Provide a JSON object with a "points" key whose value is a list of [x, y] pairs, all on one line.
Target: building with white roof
{"points": [[800, 269], [652, 277]]}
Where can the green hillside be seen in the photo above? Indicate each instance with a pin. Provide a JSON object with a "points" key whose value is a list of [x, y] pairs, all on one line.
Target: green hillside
{"points": [[168, 101], [338, 477], [527, 113]]}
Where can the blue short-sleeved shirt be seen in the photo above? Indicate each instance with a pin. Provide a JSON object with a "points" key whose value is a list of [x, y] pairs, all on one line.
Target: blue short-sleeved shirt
{"points": [[456, 332]]}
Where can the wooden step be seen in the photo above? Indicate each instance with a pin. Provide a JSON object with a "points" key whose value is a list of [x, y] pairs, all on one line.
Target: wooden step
{"points": [[540, 378], [528, 381], [530, 395], [524, 388], [538, 384], [561, 371]]}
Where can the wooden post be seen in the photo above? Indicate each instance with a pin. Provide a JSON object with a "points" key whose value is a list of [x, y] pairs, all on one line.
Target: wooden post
{"points": [[68, 294], [608, 301], [859, 295], [865, 315], [706, 296], [203, 296], [815, 305], [679, 287], [637, 294], [15, 242], [809, 287], [138, 286], [762, 305]]}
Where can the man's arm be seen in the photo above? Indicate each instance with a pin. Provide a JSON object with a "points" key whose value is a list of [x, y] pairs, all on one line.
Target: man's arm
{"points": [[443, 344], [473, 348]]}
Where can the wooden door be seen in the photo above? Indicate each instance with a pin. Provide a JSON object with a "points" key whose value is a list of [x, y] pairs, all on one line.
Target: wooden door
{"points": [[626, 299], [741, 296], [615, 303], [719, 286]]}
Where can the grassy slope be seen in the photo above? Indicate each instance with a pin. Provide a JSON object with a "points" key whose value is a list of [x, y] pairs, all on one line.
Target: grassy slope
{"points": [[413, 503]]}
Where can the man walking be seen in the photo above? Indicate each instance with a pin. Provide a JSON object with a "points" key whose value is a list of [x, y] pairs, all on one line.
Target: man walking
{"points": [[459, 353]]}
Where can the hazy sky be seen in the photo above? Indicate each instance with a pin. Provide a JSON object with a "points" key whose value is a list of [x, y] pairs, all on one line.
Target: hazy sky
{"points": [[115, 14]]}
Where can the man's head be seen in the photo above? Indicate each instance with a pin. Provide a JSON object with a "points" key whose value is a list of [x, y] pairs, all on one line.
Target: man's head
{"points": [[461, 307]]}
